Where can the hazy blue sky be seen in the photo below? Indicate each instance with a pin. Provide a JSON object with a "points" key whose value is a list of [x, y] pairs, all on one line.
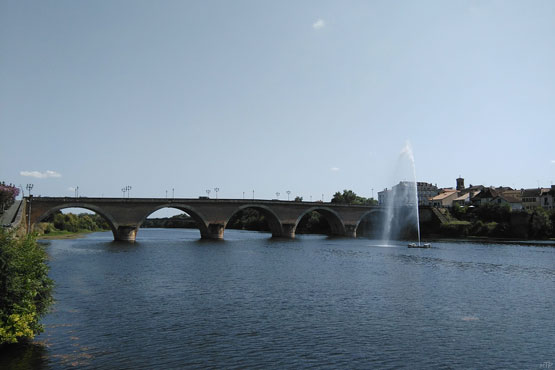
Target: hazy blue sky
{"points": [[307, 96]]}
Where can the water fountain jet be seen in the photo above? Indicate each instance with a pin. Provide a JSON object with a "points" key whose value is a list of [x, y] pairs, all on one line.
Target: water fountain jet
{"points": [[401, 202]]}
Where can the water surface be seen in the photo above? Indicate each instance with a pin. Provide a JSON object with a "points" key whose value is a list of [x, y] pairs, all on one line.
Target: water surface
{"points": [[173, 301]]}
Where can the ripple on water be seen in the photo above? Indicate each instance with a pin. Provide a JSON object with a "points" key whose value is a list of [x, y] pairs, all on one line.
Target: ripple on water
{"points": [[170, 301]]}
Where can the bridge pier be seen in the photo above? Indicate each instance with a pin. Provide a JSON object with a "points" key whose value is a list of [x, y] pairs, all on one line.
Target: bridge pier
{"points": [[126, 234], [351, 231], [288, 231], [215, 231]]}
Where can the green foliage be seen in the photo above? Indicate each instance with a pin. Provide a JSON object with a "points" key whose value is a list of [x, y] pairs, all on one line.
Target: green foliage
{"points": [[25, 288], [456, 228], [540, 224], [492, 220], [313, 223], [493, 213], [182, 220], [298, 199], [350, 197], [249, 219], [81, 222], [460, 212], [485, 213]]}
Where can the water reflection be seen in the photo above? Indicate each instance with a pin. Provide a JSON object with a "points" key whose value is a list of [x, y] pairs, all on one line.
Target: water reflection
{"points": [[33, 355]]}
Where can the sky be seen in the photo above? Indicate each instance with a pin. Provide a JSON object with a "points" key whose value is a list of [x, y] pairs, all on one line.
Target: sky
{"points": [[310, 97]]}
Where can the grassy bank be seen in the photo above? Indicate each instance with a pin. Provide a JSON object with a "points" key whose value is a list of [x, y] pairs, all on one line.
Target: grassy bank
{"points": [[64, 234]]}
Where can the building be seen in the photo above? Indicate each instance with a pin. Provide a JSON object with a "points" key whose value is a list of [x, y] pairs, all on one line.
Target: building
{"points": [[512, 201], [472, 189], [547, 198], [404, 193], [444, 199], [531, 198], [465, 198], [485, 196], [499, 196], [460, 184]]}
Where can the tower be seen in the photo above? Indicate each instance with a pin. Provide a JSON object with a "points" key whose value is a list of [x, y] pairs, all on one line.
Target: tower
{"points": [[460, 183]]}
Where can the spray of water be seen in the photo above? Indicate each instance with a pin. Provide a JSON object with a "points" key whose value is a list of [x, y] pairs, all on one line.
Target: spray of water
{"points": [[401, 204]]}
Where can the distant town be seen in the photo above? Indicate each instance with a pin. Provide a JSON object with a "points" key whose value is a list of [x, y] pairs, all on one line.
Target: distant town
{"points": [[473, 195]]}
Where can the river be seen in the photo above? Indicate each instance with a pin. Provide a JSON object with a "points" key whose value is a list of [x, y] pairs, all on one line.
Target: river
{"points": [[172, 301]]}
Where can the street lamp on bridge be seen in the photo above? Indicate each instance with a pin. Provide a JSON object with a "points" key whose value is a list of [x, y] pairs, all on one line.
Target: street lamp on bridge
{"points": [[126, 189], [288, 192], [29, 188], [277, 195], [216, 190], [208, 192]]}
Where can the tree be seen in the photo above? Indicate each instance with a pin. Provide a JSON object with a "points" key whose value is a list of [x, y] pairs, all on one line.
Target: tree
{"points": [[25, 288], [7, 195], [540, 225], [350, 197]]}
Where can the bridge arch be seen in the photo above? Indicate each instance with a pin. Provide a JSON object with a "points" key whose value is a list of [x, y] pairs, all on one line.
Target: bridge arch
{"points": [[271, 218], [377, 218], [90, 207], [199, 219], [335, 221]]}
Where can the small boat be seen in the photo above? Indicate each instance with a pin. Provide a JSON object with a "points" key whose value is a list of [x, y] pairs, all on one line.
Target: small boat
{"points": [[419, 245]]}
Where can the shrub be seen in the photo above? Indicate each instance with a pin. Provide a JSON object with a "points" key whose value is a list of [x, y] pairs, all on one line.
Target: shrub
{"points": [[540, 224], [7, 195], [25, 288], [455, 228]]}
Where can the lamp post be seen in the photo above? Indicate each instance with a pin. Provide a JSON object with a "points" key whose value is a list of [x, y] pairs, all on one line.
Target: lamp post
{"points": [[216, 190], [253, 195], [29, 188], [288, 192], [277, 195], [77, 192], [128, 188], [173, 193], [123, 192], [166, 194], [243, 195], [208, 192]]}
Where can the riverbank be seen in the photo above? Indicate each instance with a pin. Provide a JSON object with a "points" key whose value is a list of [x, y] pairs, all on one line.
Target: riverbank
{"points": [[489, 240], [65, 235]]}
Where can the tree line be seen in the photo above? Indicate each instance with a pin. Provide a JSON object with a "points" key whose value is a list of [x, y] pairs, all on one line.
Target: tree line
{"points": [[69, 222]]}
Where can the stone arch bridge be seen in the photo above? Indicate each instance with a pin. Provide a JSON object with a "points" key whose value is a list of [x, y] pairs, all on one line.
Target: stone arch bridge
{"points": [[126, 215]]}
